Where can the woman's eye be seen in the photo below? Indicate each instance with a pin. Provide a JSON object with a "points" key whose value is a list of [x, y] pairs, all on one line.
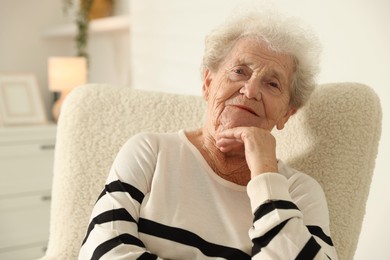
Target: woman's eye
{"points": [[238, 71], [274, 84], [238, 74]]}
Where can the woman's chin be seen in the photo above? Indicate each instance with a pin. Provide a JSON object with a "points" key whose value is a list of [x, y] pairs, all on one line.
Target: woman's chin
{"points": [[240, 122]]}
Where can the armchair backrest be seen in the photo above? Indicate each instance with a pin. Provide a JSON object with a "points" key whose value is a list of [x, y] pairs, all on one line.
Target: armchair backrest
{"points": [[323, 139]]}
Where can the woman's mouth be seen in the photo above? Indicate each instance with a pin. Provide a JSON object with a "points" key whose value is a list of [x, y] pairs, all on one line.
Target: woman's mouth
{"points": [[248, 109]]}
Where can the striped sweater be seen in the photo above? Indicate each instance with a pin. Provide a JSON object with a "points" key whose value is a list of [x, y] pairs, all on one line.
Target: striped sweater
{"points": [[163, 201]]}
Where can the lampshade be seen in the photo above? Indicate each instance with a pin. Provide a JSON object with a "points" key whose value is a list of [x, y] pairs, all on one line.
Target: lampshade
{"points": [[66, 73]]}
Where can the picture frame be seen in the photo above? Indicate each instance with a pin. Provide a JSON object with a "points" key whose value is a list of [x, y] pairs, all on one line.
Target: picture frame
{"points": [[20, 100]]}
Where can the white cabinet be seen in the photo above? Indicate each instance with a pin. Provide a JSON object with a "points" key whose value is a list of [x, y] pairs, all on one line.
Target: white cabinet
{"points": [[26, 166]]}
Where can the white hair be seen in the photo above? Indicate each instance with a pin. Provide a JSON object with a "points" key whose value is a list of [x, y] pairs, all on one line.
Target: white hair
{"points": [[284, 35]]}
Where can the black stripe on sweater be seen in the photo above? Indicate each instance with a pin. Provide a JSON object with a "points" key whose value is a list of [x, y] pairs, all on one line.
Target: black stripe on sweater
{"points": [[266, 208], [109, 216], [114, 242], [147, 256], [188, 238], [318, 232], [310, 250], [123, 187], [263, 241]]}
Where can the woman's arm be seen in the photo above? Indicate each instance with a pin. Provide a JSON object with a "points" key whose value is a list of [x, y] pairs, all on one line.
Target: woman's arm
{"points": [[290, 218], [113, 229], [290, 214]]}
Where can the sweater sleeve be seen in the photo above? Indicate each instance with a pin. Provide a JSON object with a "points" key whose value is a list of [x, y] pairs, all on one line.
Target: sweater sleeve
{"points": [[290, 218], [113, 229]]}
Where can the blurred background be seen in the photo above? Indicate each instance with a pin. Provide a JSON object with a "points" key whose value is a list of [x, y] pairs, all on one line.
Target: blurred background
{"points": [[157, 45]]}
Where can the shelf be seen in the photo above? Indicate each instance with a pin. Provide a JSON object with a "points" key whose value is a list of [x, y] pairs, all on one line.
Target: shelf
{"points": [[103, 25]]}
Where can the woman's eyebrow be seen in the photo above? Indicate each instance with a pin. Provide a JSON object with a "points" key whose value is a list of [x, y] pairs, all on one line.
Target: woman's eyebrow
{"points": [[273, 71]]}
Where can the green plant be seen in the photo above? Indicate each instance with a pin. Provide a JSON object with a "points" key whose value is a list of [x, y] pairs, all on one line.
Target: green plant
{"points": [[82, 24]]}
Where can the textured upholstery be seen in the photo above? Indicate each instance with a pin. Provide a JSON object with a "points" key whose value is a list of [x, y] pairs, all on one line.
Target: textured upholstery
{"points": [[334, 139]]}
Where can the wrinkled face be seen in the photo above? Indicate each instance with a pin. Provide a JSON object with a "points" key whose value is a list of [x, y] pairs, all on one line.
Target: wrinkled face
{"points": [[250, 88]]}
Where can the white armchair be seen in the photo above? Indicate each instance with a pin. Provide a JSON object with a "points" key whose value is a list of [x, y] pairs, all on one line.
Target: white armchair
{"points": [[334, 139]]}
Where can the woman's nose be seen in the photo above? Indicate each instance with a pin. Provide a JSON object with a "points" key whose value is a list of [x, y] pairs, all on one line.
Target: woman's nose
{"points": [[251, 90]]}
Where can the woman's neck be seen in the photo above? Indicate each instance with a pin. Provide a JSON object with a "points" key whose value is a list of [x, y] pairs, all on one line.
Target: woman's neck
{"points": [[229, 167]]}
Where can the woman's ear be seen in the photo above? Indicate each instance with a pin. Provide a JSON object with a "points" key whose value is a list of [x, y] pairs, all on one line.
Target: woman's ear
{"points": [[282, 122], [206, 84]]}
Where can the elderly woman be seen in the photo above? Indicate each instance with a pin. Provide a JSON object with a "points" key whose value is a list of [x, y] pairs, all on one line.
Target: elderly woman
{"points": [[220, 192]]}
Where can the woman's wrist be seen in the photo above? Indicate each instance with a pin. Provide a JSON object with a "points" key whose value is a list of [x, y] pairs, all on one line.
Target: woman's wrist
{"points": [[264, 167]]}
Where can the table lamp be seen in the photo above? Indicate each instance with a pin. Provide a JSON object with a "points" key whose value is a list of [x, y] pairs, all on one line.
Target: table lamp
{"points": [[65, 73]]}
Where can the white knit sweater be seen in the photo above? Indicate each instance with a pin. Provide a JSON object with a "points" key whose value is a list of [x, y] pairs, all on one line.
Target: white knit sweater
{"points": [[163, 201]]}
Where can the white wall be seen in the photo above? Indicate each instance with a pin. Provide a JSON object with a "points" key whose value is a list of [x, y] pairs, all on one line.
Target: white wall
{"points": [[167, 45], [24, 48]]}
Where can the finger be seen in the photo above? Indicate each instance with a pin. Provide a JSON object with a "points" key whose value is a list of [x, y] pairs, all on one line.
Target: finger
{"points": [[229, 141], [227, 144], [234, 133]]}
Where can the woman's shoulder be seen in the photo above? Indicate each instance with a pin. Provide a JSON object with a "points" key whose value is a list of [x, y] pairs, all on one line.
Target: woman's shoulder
{"points": [[153, 137], [141, 151], [150, 142]]}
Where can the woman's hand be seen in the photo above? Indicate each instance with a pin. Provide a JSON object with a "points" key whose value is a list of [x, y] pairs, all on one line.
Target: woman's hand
{"points": [[258, 144]]}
